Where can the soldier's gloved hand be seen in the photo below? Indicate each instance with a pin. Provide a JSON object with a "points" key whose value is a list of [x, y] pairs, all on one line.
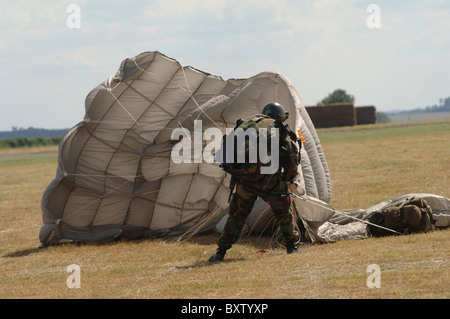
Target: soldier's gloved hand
{"points": [[295, 188]]}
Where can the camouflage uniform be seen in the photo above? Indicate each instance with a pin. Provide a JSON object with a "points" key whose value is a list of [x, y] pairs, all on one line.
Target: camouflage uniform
{"points": [[414, 215], [271, 188]]}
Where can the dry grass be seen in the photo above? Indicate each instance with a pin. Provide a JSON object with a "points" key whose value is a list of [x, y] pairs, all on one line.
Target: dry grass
{"points": [[28, 150], [368, 165], [371, 163]]}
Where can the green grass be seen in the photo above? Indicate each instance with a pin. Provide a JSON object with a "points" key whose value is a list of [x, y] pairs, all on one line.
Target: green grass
{"points": [[367, 165], [370, 164], [368, 132], [32, 159]]}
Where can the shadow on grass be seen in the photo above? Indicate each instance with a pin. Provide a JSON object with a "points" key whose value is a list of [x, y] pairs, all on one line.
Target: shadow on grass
{"points": [[257, 242], [23, 252], [206, 263], [40, 248]]}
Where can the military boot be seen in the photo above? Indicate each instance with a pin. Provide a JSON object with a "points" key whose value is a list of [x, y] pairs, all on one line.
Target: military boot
{"points": [[291, 248], [218, 256]]}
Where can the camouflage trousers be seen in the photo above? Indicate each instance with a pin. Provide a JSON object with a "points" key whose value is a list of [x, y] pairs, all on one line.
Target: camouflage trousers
{"points": [[241, 205]]}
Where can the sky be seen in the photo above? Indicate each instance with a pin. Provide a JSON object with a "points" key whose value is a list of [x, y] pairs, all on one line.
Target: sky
{"points": [[394, 55]]}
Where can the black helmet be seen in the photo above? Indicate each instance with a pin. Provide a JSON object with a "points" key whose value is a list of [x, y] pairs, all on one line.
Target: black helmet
{"points": [[276, 111]]}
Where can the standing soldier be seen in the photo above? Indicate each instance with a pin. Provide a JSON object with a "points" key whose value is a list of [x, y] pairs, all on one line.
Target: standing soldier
{"points": [[272, 188]]}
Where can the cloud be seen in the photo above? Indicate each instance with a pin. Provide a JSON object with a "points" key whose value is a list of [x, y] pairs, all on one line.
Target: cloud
{"points": [[180, 9], [84, 56], [319, 44]]}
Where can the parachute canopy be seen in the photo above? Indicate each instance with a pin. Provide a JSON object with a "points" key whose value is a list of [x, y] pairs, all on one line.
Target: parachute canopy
{"points": [[116, 174]]}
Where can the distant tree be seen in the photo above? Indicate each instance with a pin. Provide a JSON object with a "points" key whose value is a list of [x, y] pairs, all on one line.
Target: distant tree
{"points": [[444, 106], [11, 142], [39, 141], [338, 96], [23, 141], [383, 118], [54, 140], [444, 102]]}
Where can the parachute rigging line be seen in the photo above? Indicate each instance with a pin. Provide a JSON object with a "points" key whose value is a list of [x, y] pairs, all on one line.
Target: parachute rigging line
{"points": [[120, 103], [97, 199], [188, 91], [342, 213]]}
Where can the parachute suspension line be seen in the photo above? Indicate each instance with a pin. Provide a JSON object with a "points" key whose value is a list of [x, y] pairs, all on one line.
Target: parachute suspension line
{"points": [[156, 126], [191, 95], [187, 135], [342, 213], [188, 91], [275, 89], [110, 81], [97, 199], [105, 176], [136, 122], [120, 103], [170, 80]]}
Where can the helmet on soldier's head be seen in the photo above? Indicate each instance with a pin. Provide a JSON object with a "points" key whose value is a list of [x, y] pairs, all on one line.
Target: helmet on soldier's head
{"points": [[413, 216], [276, 111]]}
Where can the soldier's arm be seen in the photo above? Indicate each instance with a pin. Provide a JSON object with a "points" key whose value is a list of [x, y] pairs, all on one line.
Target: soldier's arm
{"points": [[290, 156]]}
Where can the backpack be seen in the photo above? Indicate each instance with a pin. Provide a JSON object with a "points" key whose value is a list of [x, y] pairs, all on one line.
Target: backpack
{"points": [[241, 147], [427, 221], [244, 142], [414, 215]]}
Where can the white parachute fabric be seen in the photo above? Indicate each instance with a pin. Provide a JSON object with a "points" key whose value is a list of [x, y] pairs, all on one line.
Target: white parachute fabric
{"points": [[116, 176]]}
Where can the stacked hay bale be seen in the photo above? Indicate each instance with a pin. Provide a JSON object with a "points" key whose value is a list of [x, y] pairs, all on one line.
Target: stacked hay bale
{"points": [[331, 115], [366, 115]]}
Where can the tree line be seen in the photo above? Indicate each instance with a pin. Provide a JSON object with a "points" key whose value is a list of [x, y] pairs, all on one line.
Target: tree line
{"points": [[28, 142], [31, 132], [443, 106]]}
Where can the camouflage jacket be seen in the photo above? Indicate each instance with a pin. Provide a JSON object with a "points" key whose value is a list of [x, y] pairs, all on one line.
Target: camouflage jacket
{"points": [[249, 172]]}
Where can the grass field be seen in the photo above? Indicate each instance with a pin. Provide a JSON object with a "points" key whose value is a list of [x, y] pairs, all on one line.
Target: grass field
{"points": [[418, 117], [368, 164]]}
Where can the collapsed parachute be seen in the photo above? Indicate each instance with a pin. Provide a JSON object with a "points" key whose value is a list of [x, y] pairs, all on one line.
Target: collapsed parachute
{"points": [[323, 224], [116, 177]]}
